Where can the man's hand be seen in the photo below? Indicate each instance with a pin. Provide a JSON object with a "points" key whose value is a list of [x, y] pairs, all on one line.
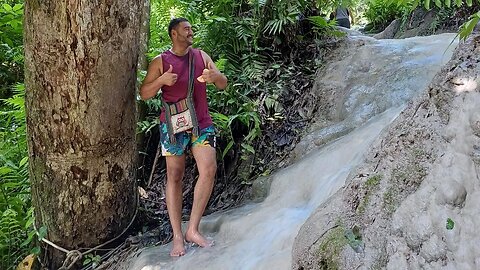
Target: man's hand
{"points": [[209, 74], [169, 78]]}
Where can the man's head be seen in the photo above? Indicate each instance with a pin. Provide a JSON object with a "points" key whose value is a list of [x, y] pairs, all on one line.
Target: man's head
{"points": [[180, 31]]}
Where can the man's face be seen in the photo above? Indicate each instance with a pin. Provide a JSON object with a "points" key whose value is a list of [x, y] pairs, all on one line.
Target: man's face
{"points": [[184, 33]]}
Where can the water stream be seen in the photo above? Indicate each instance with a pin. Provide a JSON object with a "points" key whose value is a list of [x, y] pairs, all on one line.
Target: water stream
{"points": [[260, 236]]}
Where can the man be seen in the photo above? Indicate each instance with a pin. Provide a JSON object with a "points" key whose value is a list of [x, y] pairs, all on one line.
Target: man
{"points": [[342, 16], [169, 72]]}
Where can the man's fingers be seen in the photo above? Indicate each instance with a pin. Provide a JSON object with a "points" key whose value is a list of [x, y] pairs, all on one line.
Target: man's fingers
{"points": [[170, 69], [210, 65], [201, 79]]}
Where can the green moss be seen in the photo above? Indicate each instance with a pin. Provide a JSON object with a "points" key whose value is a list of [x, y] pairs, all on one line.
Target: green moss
{"points": [[390, 200], [331, 247], [373, 181], [370, 185], [418, 153], [399, 175]]}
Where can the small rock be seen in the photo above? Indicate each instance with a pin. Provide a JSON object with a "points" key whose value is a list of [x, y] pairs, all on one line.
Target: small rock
{"points": [[452, 193]]}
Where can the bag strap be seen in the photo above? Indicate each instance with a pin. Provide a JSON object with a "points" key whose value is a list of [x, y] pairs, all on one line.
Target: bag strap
{"points": [[191, 83], [191, 68]]}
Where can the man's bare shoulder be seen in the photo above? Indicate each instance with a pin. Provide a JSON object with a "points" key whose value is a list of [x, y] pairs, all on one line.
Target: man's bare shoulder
{"points": [[205, 56], [157, 59], [157, 63], [203, 53]]}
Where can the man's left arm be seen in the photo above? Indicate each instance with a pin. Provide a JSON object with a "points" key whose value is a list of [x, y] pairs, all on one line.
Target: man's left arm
{"points": [[211, 74]]}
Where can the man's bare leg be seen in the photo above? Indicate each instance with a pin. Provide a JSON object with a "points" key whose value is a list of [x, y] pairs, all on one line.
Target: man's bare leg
{"points": [[174, 196], [205, 156]]}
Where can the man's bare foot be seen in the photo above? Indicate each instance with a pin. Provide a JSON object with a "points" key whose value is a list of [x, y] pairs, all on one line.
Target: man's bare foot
{"points": [[197, 238], [178, 247]]}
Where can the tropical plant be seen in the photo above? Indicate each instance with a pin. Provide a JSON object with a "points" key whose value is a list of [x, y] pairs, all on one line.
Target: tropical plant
{"points": [[380, 13], [237, 35], [439, 3], [11, 49], [467, 28], [16, 233]]}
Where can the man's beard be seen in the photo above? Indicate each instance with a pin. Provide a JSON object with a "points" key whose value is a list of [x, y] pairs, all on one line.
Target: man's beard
{"points": [[189, 40]]}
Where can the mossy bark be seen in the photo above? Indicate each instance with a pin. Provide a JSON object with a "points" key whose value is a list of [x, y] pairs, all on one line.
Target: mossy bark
{"points": [[80, 75]]}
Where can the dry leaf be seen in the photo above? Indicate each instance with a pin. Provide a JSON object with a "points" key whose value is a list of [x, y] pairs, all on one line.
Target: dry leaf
{"points": [[142, 193]]}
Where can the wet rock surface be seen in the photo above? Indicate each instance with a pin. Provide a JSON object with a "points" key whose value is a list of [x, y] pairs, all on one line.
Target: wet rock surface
{"points": [[423, 211]]}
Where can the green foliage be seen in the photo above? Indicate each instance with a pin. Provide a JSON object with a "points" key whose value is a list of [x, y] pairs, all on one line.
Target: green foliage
{"points": [[232, 33], [11, 49], [428, 3], [160, 14], [467, 28], [281, 15], [380, 13], [322, 26], [91, 259], [16, 220], [16, 234], [450, 224]]}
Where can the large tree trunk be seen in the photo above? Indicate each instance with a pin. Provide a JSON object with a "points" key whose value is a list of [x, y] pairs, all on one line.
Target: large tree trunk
{"points": [[80, 74]]}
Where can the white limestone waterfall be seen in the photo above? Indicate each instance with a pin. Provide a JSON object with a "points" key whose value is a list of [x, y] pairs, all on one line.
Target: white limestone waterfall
{"points": [[260, 236]]}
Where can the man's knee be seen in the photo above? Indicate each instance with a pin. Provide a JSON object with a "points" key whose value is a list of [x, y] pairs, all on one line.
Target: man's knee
{"points": [[208, 171], [175, 174]]}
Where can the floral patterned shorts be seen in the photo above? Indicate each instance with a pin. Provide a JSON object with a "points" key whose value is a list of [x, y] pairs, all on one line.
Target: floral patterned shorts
{"points": [[185, 140]]}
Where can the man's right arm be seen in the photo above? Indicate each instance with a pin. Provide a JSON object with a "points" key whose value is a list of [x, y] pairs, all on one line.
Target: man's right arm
{"points": [[153, 82]]}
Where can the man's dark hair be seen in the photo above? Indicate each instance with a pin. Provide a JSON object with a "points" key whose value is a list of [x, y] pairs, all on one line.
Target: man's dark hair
{"points": [[174, 23]]}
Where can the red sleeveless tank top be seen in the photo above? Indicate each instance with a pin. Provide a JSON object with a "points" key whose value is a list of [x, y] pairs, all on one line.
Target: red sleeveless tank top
{"points": [[179, 90]]}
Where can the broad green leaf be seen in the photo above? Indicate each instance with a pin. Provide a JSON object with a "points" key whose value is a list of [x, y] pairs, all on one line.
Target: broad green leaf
{"points": [[7, 7], [5, 170], [29, 239], [469, 3], [35, 250], [427, 4], [23, 161], [467, 28], [11, 185], [219, 19], [42, 232], [447, 3], [87, 261], [8, 41], [29, 223], [249, 148], [17, 7], [227, 148]]}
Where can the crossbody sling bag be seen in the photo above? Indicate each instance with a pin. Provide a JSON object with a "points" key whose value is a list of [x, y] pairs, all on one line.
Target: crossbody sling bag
{"points": [[180, 115]]}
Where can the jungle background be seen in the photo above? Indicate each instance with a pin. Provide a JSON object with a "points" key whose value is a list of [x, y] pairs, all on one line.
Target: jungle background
{"points": [[268, 49]]}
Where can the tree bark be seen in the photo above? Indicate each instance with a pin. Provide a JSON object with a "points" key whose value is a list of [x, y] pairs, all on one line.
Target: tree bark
{"points": [[80, 74]]}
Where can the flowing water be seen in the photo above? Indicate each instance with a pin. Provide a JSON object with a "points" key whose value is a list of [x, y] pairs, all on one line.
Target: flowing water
{"points": [[260, 236]]}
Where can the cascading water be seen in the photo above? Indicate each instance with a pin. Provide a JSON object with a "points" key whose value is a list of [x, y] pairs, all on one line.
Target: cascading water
{"points": [[260, 236]]}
